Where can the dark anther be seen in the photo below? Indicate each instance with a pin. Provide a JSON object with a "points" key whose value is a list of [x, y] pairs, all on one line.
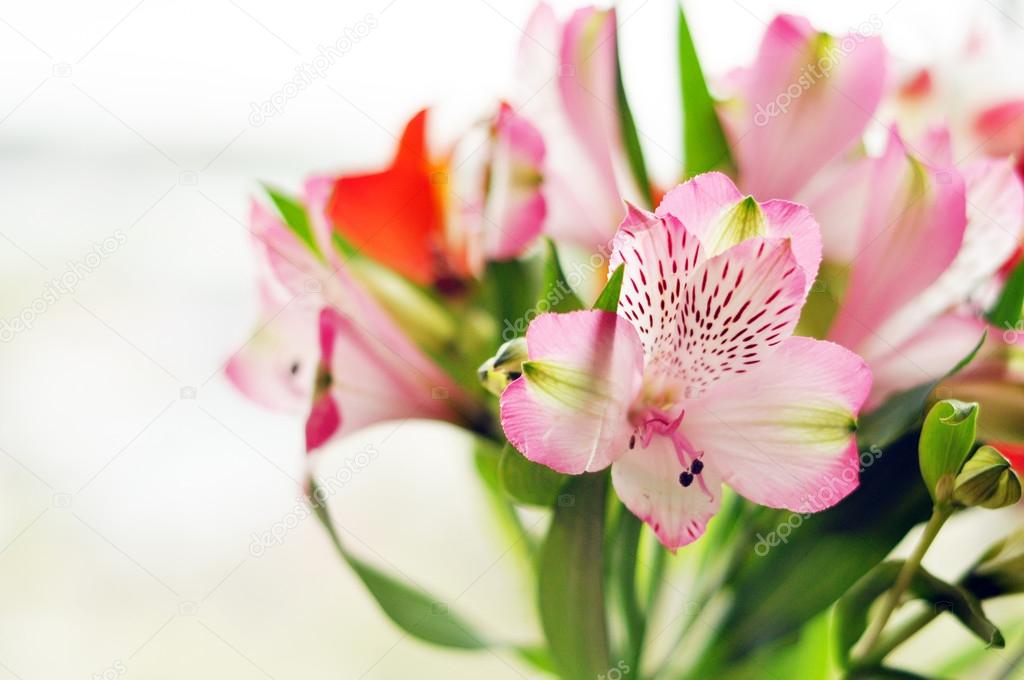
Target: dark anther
{"points": [[697, 466], [294, 368], [632, 440], [685, 478]]}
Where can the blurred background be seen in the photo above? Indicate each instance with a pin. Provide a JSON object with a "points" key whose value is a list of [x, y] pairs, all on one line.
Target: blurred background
{"points": [[138, 488]]}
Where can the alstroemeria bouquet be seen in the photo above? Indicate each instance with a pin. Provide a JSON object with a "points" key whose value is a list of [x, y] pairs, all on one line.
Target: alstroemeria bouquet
{"points": [[765, 375]]}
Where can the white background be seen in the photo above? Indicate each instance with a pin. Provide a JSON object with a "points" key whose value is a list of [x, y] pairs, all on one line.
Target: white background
{"points": [[127, 511]]}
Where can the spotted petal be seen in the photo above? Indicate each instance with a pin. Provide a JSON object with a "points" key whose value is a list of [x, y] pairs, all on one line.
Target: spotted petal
{"points": [[737, 307], [658, 254], [647, 481], [713, 208]]}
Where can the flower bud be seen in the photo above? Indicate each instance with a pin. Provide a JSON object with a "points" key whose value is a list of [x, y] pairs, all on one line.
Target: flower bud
{"points": [[987, 479], [497, 372]]}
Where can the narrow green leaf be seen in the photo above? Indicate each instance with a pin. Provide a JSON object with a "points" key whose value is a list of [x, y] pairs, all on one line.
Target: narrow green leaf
{"points": [[527, 482], [704, 143], [630, 138], [294, 215], [413, 610], [557, 292], [1006, 313], [947, 438], [608, 300], [512, 291], [821, 555], [571, 580]]}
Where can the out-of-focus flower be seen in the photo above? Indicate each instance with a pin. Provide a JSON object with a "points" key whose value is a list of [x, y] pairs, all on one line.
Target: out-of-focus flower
{"points": [[435, 217], [697, 380], [567, 81], [920, 241], [967, 89], [806, 99], [320, 329], [362, 380], [496, 206]]}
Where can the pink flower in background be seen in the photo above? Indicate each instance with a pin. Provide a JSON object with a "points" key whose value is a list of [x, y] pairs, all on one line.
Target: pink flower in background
{"points": [[496, 203], [566, 73], [697, 379], [806, 99], [922, 242], [325, 341]]}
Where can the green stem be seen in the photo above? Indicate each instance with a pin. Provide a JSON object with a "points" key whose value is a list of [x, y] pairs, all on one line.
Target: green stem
{"points": [[887, 644], [627, 553], [939, 516]]}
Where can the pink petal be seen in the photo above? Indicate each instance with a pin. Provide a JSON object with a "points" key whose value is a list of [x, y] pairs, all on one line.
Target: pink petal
{"points": [[587, 84], [706, 203], [782, 435], [838, 198], [323, 422], [925, 356], [275, 367], [567, 78], [658, 255], [912, 230], [737, 308], [570, 408], [808, 98], [647, 481], [289, 260], [995, 210], [515, 207], [371, 382]]}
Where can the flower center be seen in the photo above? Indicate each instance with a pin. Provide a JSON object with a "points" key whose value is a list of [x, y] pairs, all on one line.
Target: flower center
{"points": [[659, 423]]}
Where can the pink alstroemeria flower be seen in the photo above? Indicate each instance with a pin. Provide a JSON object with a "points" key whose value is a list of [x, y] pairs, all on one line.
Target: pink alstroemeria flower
{"points": [[697, 379], [807, 98], [497, 206], [921, 240], [325, 345], [566, 75]]}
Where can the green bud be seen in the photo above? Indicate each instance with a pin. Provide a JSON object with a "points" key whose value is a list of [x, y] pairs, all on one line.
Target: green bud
{"points": [[947, 438], [987, 479], [497, 372]]}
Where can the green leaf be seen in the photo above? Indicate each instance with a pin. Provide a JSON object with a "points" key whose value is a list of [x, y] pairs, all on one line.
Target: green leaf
{"points": [[571, 580], [413, 610], [527, 482], [557, 291], [512, 290], [704, 141], [821, 555], [608, 300], [947, 438], [1006, 313], [294, 215], [885, 673], [902, 412], [851, 613], [630, 138]]}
